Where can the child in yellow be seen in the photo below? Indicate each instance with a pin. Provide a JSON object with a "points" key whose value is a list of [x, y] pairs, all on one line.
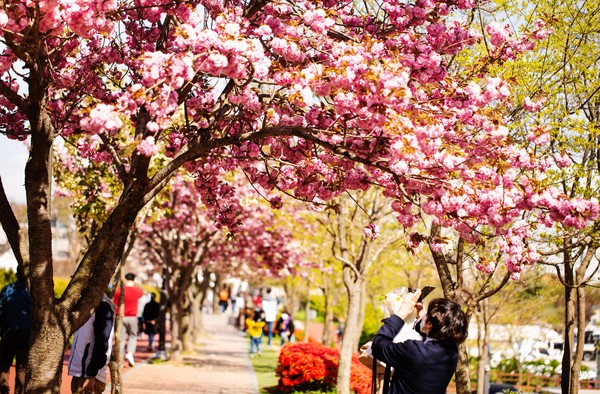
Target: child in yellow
{"points": [[254, 328]]}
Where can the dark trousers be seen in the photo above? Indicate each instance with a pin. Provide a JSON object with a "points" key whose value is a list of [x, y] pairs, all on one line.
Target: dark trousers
{"points": [[9, 348]]}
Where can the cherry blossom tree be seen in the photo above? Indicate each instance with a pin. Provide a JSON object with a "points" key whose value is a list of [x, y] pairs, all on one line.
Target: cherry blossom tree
{"points": [[182, 240], [310, 98], [353, 233], [557, 84]]}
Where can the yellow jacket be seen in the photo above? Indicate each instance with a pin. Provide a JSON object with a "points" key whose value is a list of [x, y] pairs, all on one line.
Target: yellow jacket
{"points": [[254, 328]]}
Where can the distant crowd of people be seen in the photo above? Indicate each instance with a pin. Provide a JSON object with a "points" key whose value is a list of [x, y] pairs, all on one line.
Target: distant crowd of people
{"points": [[260, 314]]}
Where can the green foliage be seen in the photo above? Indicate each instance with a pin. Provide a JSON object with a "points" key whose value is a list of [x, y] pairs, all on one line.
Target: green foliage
{"points": [[60, 284], [371, 324], [7, 276], [537, 367], [508, 365]]}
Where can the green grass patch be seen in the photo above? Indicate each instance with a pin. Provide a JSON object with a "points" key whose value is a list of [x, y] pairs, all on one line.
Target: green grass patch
{"points": [[264, 367]]}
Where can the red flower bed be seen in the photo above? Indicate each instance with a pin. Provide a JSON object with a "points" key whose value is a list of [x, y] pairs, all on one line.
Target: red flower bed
{"points": [[310, 366]]}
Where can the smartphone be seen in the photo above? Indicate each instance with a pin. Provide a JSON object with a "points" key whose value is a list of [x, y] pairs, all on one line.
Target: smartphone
{"points": [[425, 291]]}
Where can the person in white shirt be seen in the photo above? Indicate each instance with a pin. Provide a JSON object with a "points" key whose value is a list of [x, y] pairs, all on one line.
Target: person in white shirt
{"points": [[269, 306], [91, 349]]}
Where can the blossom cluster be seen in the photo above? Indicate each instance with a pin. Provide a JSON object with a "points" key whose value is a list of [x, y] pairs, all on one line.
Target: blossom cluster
{"points": [[310, 366], [311, 98], [251, 243]]}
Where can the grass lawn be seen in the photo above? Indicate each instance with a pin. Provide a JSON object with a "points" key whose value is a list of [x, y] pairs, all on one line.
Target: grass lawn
{"points": [[264, 366]]}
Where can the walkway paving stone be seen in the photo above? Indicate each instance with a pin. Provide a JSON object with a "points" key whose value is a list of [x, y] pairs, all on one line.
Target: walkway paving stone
{"points": [[219, 365]]}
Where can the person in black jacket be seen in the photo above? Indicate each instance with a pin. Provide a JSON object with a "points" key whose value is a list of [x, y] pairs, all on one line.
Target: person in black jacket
{"points": [[149, 316], [427, 366], [15, 325], [91, 349]]}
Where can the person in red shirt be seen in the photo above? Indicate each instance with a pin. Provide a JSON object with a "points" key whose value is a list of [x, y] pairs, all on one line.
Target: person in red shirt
{"points": [[131, 296]]}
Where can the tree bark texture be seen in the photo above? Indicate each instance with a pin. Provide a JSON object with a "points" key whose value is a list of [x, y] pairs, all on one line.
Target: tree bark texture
{"points": [[351, 337]]}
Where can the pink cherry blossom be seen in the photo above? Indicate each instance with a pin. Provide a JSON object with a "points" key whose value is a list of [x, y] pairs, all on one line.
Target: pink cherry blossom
{"points": [[148, 147]]}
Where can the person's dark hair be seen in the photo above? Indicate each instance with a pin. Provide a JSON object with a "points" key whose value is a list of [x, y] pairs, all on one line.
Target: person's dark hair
{"points": [[130, 276], [258, 315], [448, 321]]}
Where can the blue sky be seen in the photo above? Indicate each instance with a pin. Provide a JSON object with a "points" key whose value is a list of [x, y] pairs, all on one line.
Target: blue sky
{"points": [[13, 156]]}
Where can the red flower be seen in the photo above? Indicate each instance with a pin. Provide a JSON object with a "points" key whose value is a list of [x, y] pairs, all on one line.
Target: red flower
{"points": [[311, 366]]}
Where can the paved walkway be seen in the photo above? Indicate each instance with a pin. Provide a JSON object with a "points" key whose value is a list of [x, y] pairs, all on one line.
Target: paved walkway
{"points": [[219, 365]]}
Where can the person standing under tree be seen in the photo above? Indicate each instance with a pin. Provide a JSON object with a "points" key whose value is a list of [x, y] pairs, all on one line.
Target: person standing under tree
{"points": [[421, 366], [15, 325], [150, 314], [91, 348], [131, 296]]}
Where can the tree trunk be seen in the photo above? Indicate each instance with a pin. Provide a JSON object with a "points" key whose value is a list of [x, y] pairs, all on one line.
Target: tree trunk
{"points": [[176, 345], [351, 337], [328, 323], [116, 358], [577, 357], [482, 346], [185, 329], [462, 378], [307, 312], [47, 346], [197, 325], [292, 295], [452, 289]]}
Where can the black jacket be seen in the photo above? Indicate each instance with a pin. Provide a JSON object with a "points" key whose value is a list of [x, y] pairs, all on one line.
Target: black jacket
{"points": [[420, 367]]}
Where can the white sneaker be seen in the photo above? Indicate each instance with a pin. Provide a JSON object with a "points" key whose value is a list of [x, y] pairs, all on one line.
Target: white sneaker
{"points": [[130, 360]]}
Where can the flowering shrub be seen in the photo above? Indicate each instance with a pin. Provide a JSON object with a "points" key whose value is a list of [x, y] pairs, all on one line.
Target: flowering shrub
{"points": [[310, 366]]}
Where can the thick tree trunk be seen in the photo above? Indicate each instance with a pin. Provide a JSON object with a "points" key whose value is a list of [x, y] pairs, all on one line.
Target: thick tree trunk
{"points": [[197, 308], [197, 325], [185, 330], [176, 345], [351, 337], [452, 289], [47, 346], [462, 378]]}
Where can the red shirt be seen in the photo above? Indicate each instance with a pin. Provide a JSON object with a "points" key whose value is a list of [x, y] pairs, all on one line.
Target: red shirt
{"points": [[132, 296]]}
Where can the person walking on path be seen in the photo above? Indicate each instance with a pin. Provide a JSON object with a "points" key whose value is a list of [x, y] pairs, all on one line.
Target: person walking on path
{"points": [[254, 328], [15, 326], [131, 296], [91, 348], [269, 306], [150, 314], [224, 295]]}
